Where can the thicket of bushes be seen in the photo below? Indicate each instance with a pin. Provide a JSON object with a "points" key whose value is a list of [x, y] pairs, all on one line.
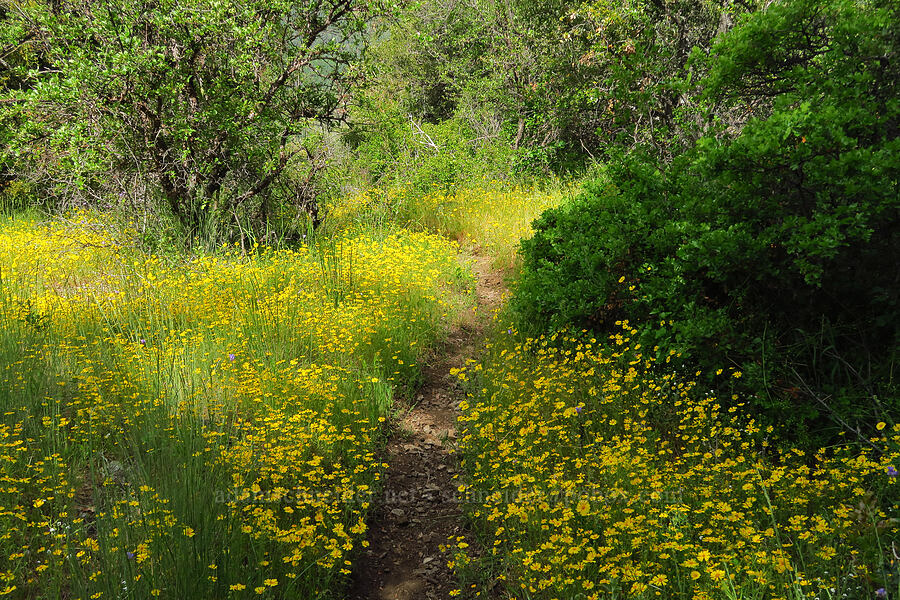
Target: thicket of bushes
{"points": [[772, 250]]}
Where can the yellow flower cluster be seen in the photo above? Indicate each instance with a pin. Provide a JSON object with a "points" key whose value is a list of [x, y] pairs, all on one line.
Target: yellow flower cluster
{"points": [[597, 474], [205, 427]]}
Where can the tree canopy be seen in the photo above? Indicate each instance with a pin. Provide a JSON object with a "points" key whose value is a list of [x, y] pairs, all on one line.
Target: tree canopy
{"points": [[208, 103]]}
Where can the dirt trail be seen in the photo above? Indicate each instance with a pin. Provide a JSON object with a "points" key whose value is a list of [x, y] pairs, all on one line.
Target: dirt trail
{"points": [[419, 513]]}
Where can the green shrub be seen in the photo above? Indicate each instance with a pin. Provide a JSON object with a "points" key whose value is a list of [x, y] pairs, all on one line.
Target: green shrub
{"points": [[395, 148], [773, 251]]}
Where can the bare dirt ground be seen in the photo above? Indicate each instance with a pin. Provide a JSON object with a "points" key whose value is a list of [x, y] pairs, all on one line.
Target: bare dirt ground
{"points": [[419, 511]]}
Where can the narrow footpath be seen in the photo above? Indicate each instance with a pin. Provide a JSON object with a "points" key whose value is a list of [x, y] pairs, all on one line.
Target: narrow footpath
{"points": [[418, 512]]}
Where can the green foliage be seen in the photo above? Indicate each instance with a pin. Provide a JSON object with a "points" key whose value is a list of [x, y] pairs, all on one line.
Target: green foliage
{"points": [[482, 65], [559, 80], [398, 149], [774, 251], [633, 90], [209, 103], [16, 56]]}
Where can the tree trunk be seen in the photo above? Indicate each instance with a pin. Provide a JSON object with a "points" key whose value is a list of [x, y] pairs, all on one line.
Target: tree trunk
{"points": [[520, 133]]}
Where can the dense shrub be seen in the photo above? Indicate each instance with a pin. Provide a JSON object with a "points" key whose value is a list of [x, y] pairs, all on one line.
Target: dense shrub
{"points": [[773, 250], [395, 148]]}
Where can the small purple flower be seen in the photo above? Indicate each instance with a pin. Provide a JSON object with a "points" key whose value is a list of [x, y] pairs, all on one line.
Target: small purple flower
{"points": [[231, 357], [130, 555], [892, 472], [578, 409], [509, 331], [881, 593], [143, 342]]}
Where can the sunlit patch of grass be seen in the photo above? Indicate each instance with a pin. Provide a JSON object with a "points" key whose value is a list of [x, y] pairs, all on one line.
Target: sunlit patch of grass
{"points": [[493, 218], [204, 427]]}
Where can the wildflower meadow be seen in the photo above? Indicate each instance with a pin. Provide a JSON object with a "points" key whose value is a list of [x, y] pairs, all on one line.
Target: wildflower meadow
{"points": [[202, 428], [521, 300], [592, 472]]}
